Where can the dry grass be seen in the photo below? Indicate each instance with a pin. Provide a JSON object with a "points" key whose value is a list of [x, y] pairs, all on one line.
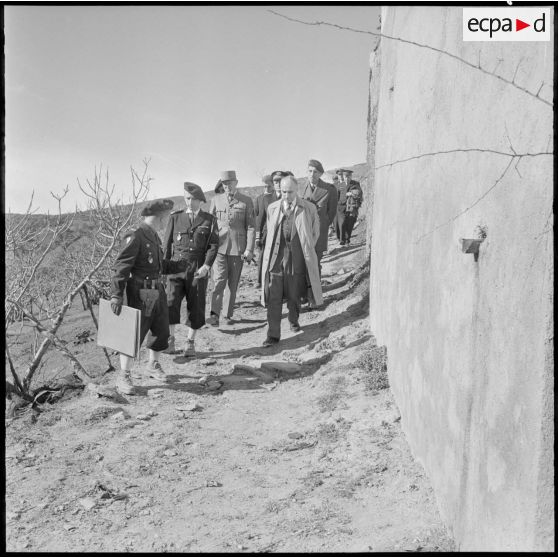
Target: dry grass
{"points": [[373, 362]]}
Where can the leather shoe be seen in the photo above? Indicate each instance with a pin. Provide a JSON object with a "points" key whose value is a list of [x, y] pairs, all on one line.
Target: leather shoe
{"points": [[295, 328], [229, 321], [270, 341], [213, 320]]}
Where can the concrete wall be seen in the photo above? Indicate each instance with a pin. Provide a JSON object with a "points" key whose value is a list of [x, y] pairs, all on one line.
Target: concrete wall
{"points": [[470, 343]]}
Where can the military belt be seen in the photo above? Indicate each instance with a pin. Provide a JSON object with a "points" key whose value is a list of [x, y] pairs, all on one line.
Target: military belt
{"points": [[147, 282]]}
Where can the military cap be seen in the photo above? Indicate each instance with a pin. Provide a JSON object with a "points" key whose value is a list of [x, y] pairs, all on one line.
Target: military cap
{"points": [[195, 190], [340, 171], [219, 187], [228, 175], [156, 206], [316, 164], [280, 173], [348, 171]]}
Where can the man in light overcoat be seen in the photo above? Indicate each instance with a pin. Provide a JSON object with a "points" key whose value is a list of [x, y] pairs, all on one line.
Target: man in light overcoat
{"points": [[235, 222], [290, 262]]}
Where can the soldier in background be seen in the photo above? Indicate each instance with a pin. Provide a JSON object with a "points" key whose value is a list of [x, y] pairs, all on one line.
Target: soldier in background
{"points": [[236, 224], [138, 269], [353, 201], [324, 197], [271, 193], [191, 235]]}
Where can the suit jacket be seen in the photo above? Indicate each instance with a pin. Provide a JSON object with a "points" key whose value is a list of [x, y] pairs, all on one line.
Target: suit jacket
{"points": [[324, 197], [235, 222], [262, 202], [306, 225], [189, 240]]}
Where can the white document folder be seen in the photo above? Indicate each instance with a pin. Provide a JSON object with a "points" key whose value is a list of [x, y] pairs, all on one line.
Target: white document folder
{"points": [[119, 333]]}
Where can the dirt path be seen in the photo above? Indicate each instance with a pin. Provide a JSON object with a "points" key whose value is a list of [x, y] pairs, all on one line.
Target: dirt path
{"points": [[303, 460]]}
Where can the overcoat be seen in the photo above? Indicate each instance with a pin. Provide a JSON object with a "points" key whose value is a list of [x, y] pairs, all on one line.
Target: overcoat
{"points": [[307, 225], [324, 197]]}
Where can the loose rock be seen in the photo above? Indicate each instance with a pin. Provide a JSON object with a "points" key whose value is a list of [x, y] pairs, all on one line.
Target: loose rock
{"points": [[208, 361], [87, 503]]}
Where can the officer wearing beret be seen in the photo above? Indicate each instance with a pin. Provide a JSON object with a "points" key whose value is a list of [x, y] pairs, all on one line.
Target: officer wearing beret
{"points": [[138, 269], [324, 197], [191, 235]]}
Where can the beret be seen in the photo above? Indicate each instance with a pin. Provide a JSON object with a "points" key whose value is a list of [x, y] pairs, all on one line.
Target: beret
{"points": [[219, 187], [282, 174], [228, 175], [156, 206], [195, 190], [316, 164]]}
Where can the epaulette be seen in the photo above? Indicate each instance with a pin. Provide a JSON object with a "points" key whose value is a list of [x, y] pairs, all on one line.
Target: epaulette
{"points": [[177, 211]]}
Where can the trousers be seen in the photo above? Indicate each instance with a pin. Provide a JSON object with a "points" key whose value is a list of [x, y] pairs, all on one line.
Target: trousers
{"points": [[284, 285], [157, 323], [183, 286], [226, 273]]}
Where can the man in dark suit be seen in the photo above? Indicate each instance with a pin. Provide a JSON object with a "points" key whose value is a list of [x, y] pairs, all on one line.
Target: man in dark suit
{"points": [[271, 193], [191, 235], [324, 196], [290, 261]]}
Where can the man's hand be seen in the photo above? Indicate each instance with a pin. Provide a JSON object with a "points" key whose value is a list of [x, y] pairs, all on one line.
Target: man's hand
{"points": [[203, 271], [116, 305], [248, 255]]}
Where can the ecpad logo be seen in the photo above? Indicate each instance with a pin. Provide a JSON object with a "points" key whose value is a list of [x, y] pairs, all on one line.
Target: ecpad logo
{"points": [[507, 24]]}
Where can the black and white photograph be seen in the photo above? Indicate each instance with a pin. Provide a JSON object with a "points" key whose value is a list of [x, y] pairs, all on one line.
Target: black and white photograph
{"points": [[279, 279]]}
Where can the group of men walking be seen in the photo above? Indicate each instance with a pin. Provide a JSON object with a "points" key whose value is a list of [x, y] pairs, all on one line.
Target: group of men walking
{"points": [[288, 228]]}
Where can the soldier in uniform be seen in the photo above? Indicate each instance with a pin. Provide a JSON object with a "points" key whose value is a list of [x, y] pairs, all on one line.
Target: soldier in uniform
{"points": [[341, 188], [324, 196], [138, 269], [191, 235], [353, 201], [235, 220], [271, 193]]}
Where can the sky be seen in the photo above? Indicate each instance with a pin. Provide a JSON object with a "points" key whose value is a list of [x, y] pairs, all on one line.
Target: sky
{"points": [[194, 89]]}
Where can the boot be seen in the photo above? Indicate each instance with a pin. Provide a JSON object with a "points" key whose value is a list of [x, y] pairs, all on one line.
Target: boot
{"points": [[190, 349], [155, 370], [170, 350], [123, 383]]}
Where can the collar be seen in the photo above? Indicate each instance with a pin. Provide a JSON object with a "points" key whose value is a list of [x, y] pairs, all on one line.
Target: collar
{"points": [[194, 213]]}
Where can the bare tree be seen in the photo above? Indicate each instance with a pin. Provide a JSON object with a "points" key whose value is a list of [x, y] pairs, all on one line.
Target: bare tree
{"points": [[52, 260]]}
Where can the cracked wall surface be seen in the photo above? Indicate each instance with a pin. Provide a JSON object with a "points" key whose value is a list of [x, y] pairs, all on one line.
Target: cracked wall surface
{"points": [[470, 343]]}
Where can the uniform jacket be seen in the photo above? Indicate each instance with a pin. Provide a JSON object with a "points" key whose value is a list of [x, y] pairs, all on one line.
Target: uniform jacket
{"points": [[262, 202], [307, 226], [197, 240], [236, 223], [354, 198], [324, 198], [140, 258]]}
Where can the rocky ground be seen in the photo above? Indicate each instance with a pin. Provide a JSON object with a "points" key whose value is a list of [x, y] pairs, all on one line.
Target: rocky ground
{"points": [[295, 448]]}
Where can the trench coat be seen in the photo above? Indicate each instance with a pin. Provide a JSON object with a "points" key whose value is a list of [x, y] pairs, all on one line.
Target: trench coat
{"points": [[307, 225]]}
